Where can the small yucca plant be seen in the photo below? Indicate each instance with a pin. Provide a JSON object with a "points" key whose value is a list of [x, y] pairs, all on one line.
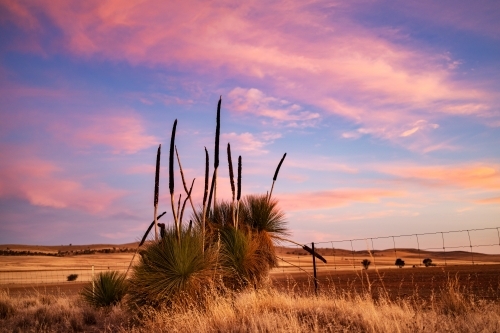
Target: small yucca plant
{"points": [[169, 270], [107, 288]]}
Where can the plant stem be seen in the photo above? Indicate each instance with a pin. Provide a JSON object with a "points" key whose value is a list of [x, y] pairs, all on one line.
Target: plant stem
{"points": [[157, 189], [171, 179], [182, 176]]}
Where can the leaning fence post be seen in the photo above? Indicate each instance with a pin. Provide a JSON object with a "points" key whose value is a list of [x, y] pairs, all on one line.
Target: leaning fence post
{"points": [[314, 268], [93, 292]]}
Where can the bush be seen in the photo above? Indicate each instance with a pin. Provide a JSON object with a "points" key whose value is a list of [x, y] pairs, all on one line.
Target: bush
{"points": [[366, 263], [400, 263], [72, 277], [107, 288], [427, 262]]}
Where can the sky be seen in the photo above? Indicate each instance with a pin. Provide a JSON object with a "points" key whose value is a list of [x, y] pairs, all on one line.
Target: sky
{"points": [[388, 112]]}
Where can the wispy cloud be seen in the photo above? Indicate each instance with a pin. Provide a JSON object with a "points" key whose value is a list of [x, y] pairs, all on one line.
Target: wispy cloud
{"points": [[250, 143], [278, 111], [121, 132], [334, 198], [41, 183], [494, 200], [479, 176]]}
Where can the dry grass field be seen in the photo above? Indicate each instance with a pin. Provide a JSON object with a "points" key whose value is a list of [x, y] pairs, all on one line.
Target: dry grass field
{"points": [[456, 297], [266, 310], [343, 270]]}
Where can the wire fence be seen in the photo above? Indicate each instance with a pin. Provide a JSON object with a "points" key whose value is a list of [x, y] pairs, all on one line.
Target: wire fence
{"points": [[457, 247], [58, 275]]}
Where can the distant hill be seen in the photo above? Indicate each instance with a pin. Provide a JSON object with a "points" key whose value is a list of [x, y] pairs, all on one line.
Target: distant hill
{"points": [[16, 249], [19, 249]]}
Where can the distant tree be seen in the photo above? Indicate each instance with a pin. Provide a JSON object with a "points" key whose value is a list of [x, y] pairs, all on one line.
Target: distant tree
{"points": [[366, 263], [427, 262], [400, 263]]}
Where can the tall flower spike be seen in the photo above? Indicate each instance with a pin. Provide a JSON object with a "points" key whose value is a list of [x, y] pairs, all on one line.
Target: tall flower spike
{"points": [[216, 154], [157, 190], [238, 196], [231, 180], [171, 179], [239, 179], [276, 176]]}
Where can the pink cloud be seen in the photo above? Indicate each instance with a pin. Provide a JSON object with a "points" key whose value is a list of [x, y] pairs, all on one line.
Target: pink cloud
{"points": [[296, 56], [248, 142], [39, 182], [481, 176], [141, 169], [279, 111], [333, 198], [320, 163], [123, 132], [494, 200]]}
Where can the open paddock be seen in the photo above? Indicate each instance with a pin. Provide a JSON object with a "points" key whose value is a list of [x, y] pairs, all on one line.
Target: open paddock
{"points": [[343, 272]]}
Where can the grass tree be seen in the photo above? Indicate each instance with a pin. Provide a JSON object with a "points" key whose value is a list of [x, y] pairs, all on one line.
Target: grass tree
{"points": [[241, 258], [232, 242], [170, 270]]}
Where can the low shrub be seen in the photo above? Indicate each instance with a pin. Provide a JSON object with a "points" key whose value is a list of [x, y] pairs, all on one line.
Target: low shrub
{"points": [[107, 288], [72, 277]]}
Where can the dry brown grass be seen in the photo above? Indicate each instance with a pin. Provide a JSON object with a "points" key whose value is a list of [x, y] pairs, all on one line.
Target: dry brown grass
{"points": [[266, 310]]}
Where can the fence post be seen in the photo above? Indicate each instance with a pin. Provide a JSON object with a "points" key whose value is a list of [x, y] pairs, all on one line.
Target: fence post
{"points": [[418, 247], [470, 243], [394, 244], [334, 261], [314, 268], [444, 250], [373, 254], [352, 253], [93, 291]]}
